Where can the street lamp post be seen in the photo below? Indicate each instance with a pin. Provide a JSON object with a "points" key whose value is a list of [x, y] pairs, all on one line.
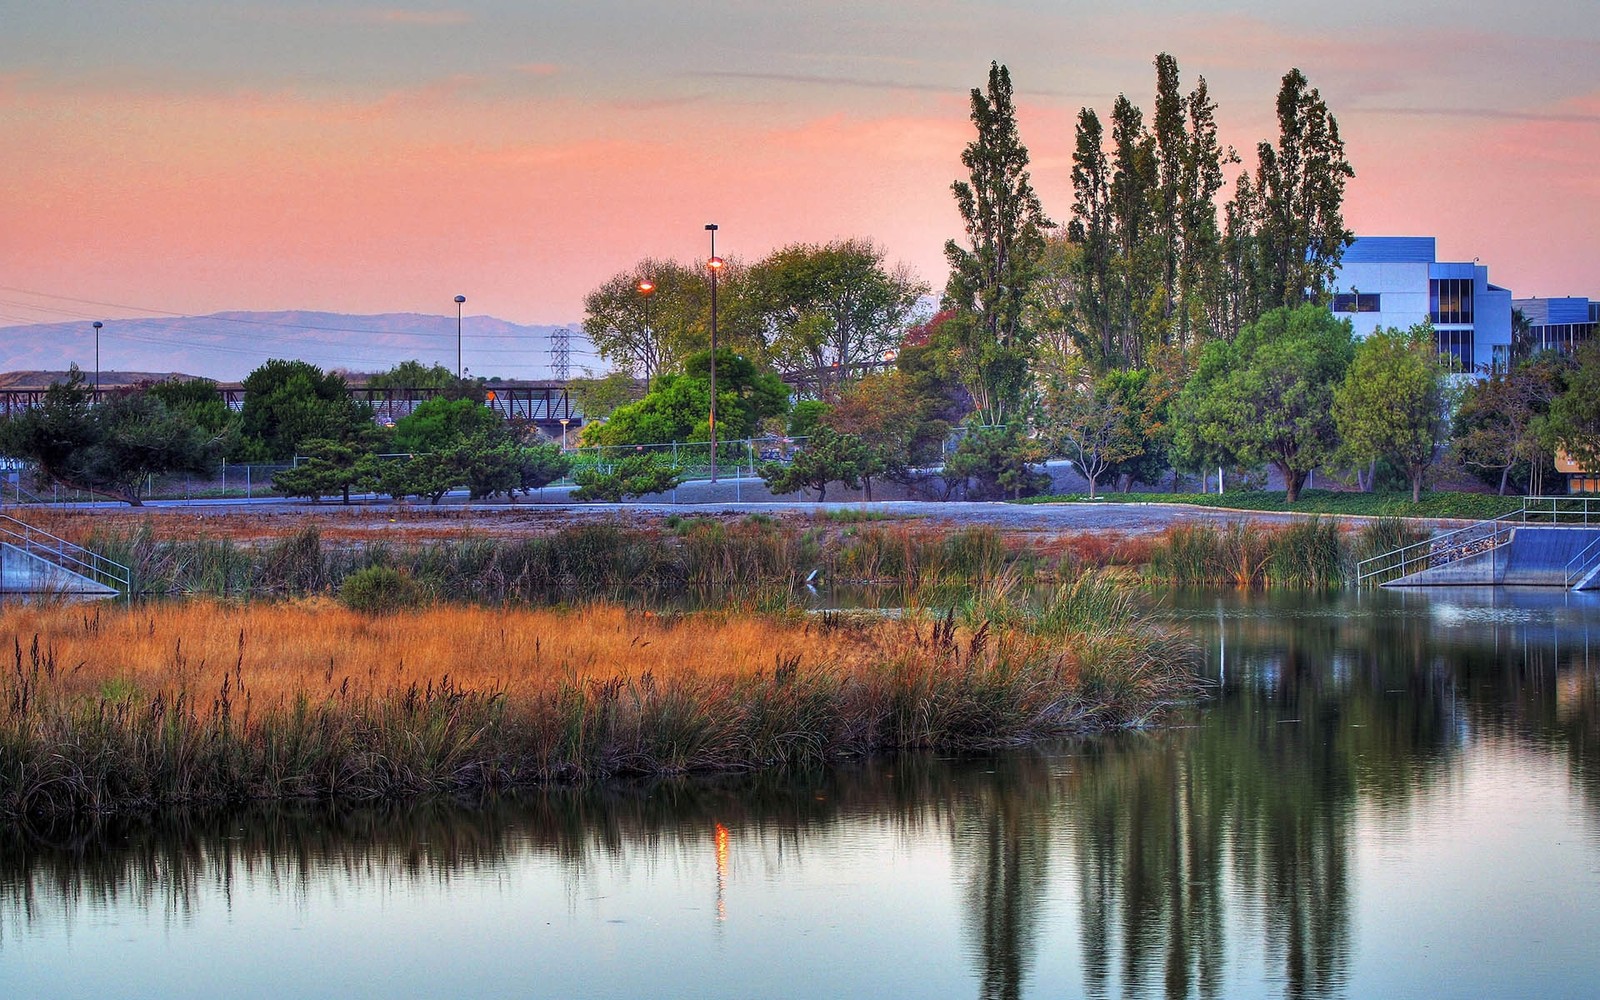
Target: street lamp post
{"points": [[97, 326], [459, 300], [646, 287], [715, 265]]}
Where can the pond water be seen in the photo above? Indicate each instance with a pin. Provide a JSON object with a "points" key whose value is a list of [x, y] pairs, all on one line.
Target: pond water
{"points": [[1390, 796]]}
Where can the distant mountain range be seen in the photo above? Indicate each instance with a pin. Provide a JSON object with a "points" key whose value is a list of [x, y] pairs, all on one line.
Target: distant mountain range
{"points": [[229, 345]]}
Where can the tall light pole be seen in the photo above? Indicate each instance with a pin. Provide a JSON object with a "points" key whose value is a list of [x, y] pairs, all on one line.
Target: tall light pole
{"points": [[459, 300], [97, 326], [646, 287], [715, 265]]}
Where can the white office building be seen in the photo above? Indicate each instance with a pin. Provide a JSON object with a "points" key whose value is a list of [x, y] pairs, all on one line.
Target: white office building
{"points": [[1396, 281]]}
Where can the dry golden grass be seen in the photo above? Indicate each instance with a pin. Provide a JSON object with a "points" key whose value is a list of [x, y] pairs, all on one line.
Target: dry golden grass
{"points": [[281, 651], [115, 707]]}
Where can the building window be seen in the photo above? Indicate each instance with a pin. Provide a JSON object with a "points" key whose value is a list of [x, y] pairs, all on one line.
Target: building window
{"points": [[1502, 357], [1450, 300], [1356, 303], [1456, 346]]}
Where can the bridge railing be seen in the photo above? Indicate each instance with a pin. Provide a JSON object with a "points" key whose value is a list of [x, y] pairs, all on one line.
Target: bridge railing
{"points": [[1584, 563]]}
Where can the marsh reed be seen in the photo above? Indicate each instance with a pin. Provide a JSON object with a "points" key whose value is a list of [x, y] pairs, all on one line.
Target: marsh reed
{"points": [[110, 708]]}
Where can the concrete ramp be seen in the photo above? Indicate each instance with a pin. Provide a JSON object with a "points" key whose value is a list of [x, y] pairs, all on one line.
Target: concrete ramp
{"points": [[1534, 557], [23, 572]]}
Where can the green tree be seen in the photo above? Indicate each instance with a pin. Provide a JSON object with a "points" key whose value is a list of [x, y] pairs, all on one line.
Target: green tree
{"points": [[1393, 402], [904, 429], [598, 398], [1267, 397], [1499, 420], [825, 311], [1299, 192], [678, 321], [329, 468], [1573, 424], [633, 476], [413, 374], [440, 424], [828, 457], [990, 278], [540, 464], [197, 399], [109, 448], [992, 463], [678, 406], [287, 402]]}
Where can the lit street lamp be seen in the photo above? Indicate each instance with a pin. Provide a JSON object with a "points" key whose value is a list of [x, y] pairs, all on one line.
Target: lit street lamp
{"points": [[97, 326], [459, 300], [646, 286], [564, 421], [715, 265]]}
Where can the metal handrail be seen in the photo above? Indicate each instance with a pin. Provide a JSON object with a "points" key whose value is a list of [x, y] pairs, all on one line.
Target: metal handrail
{"points": [[1559, 510], [67, 555], [1580, 565], [1439, 550]]}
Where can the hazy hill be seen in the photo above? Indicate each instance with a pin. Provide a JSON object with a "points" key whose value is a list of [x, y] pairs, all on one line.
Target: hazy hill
{"points": [[228, 345]]}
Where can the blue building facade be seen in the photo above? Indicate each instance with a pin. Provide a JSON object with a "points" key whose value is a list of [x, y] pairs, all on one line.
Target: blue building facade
{"points": [[1397, 281], [1559, 324]]}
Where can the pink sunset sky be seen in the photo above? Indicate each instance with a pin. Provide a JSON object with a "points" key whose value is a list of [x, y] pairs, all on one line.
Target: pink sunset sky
{"points": [[188, 156]]}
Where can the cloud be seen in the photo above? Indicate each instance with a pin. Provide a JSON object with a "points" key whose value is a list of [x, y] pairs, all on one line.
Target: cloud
{"points": [[539, 69], [1490, 114], [852, 81]]}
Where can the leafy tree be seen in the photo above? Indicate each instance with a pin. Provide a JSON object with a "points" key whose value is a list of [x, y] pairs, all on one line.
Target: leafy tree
{"points": [[440, 424], [1267, 397], [679, 317], [828, 457], [826, 310], [540, 464], [678, 406], [1082, 418], [429, 475], [990, 278], [1499, 419], [633, 476], [1297, 200], [329, 468], [1574, 421], [1393, 402], [413, 374], [197, 399], [287, 402], [992, 463], [805, 415], [904, 429], [598, 398], [109, 448]]}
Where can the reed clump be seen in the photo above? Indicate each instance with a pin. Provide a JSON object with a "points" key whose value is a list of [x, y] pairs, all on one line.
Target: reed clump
{"points": [[1314, 554], [117, 708]]}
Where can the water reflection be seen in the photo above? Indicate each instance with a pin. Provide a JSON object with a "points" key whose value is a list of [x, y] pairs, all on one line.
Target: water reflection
{"points": [[1218, 857]]}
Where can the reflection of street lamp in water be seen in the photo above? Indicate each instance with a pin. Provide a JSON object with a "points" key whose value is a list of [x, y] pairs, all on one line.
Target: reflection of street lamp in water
{"points": [[722, 872]]}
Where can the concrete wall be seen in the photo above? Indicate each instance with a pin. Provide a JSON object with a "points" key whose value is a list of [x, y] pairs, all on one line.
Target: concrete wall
{"points": [[1535, 557], [22, 573]]}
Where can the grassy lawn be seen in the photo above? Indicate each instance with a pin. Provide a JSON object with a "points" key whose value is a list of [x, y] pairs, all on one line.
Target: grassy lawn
{"points": [[1436, 503]]}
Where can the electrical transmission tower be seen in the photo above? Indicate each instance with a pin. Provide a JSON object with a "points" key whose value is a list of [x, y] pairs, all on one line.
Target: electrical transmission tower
{"points": [[561, 353]]}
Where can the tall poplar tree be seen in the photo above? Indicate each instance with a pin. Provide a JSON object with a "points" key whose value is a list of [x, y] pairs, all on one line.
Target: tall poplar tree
{"points": [[1300, 196], [991, 276]]}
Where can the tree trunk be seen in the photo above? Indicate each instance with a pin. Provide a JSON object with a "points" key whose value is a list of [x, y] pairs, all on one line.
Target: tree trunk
{"points": [[1505, 474], [1091, 486], [1292, 482], [1416, 486]]}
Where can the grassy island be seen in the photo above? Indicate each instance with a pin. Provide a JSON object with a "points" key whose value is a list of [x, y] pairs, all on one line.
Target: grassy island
{"points": [[117, 707]]}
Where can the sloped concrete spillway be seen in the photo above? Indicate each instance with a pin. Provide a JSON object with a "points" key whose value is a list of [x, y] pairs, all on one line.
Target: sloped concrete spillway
{"points": [[1532, 557], [22, 572]]}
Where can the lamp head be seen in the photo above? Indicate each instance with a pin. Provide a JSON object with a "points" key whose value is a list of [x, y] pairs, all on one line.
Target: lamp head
{"points": [[460, 299], [646, 286]]}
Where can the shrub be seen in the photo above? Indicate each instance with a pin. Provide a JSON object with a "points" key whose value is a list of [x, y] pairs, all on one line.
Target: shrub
{"points": [[380, 590]]}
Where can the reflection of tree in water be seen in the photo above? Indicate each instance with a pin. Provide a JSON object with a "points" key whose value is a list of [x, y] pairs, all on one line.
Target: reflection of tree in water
{"points": [[1001, 836], [1239, 825], [1254, 807]]}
